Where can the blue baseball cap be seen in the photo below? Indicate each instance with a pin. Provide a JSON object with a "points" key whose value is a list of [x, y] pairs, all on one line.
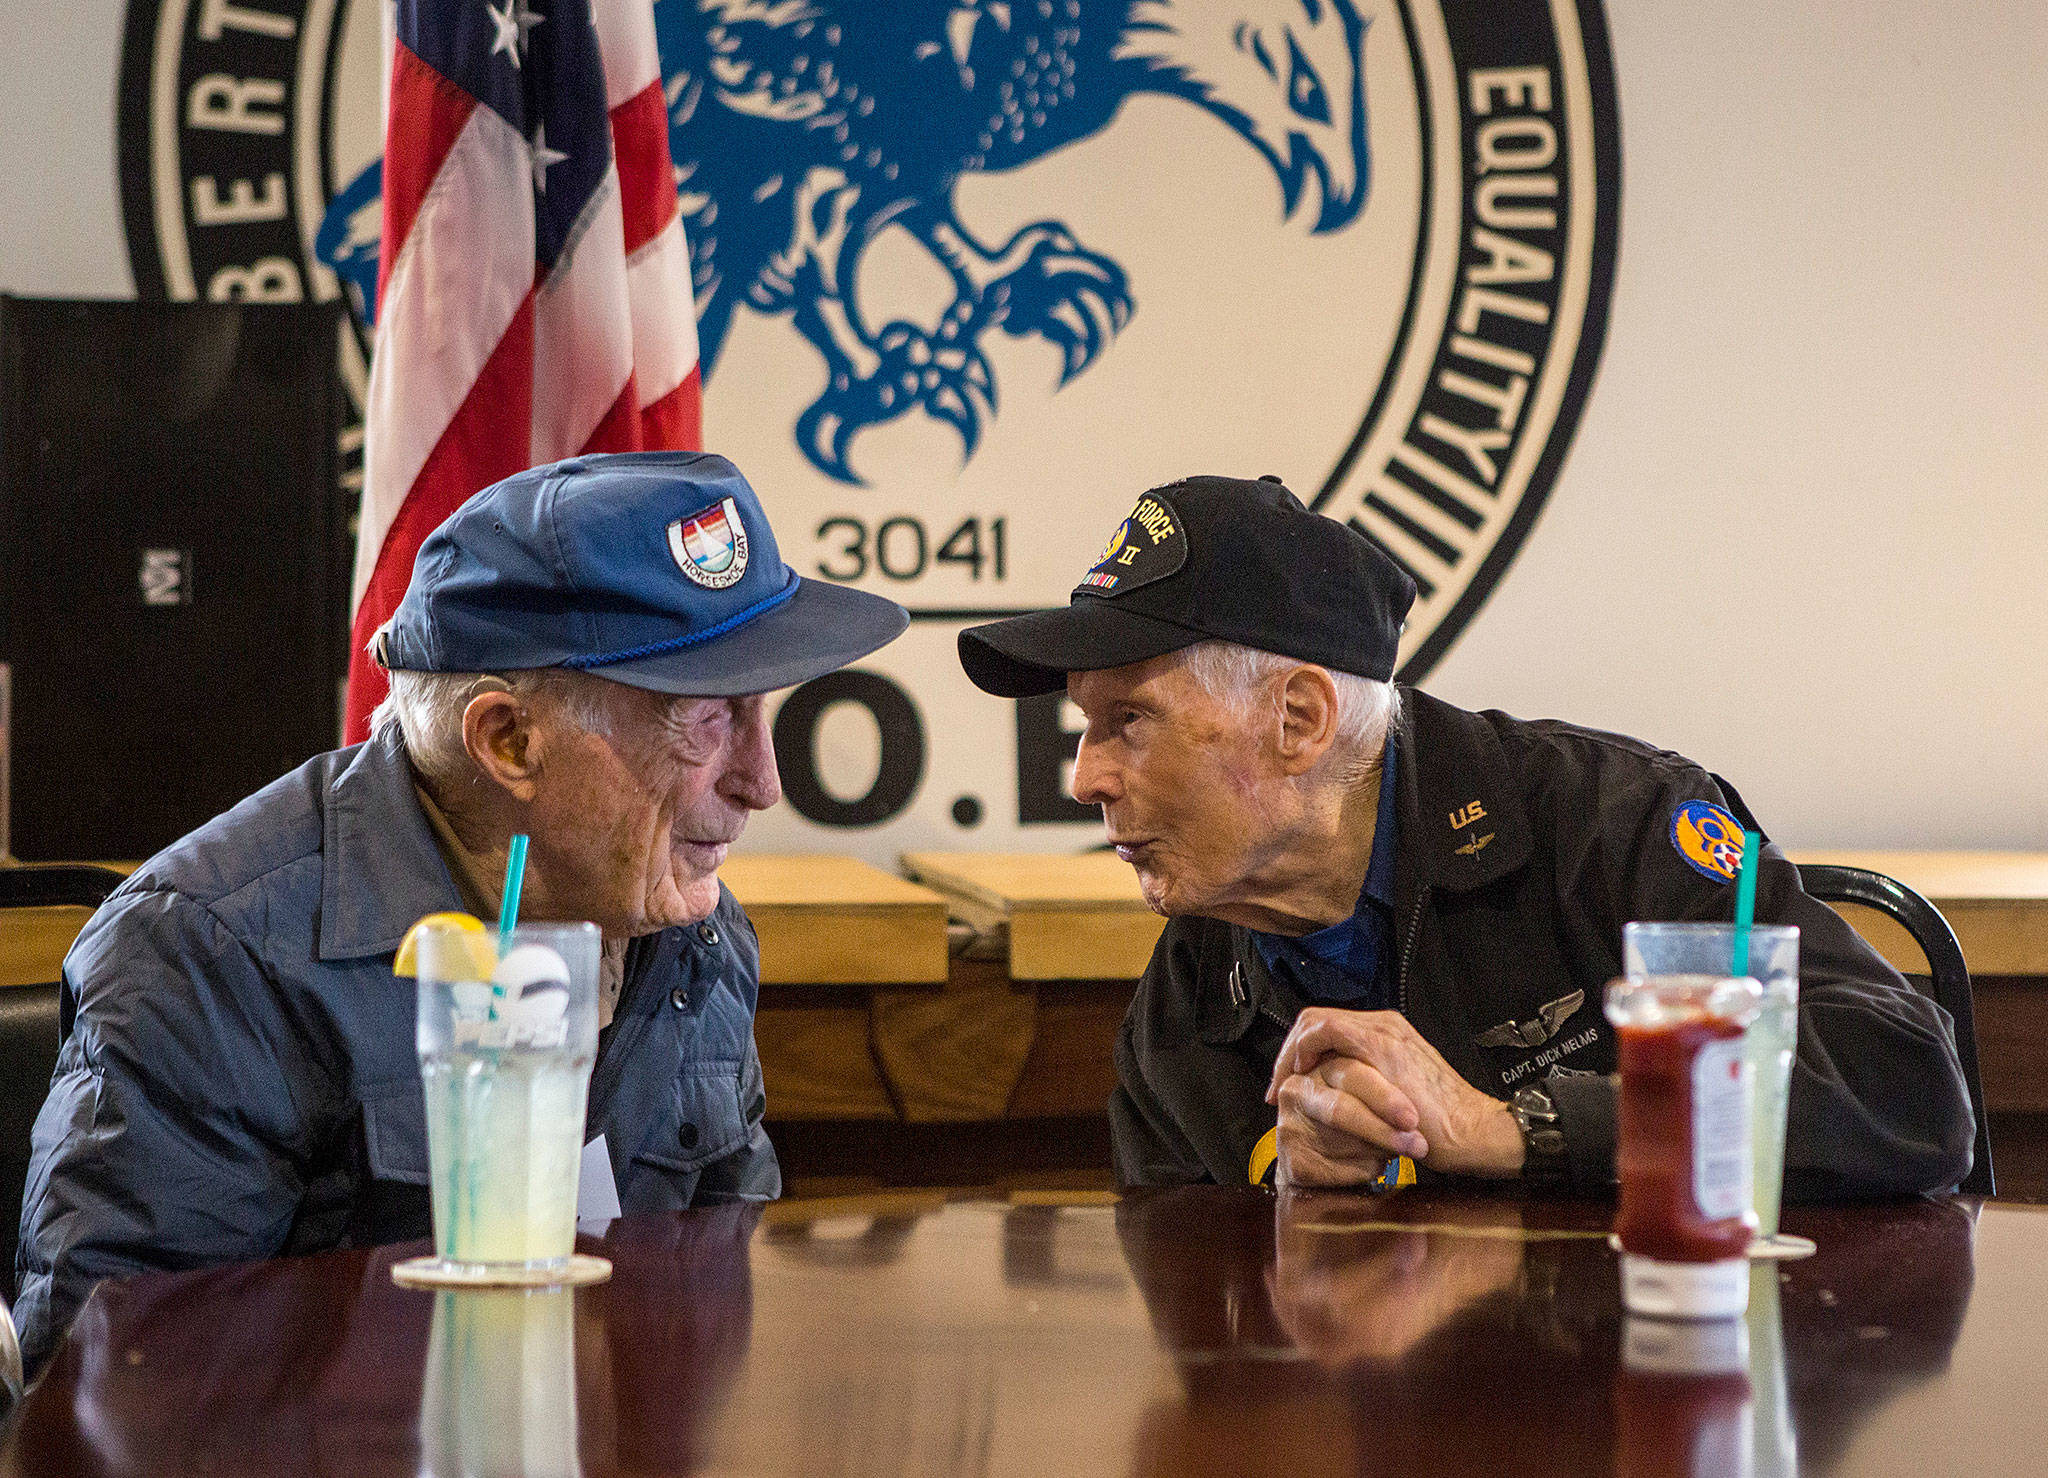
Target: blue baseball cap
{"points": [[653, 569]]}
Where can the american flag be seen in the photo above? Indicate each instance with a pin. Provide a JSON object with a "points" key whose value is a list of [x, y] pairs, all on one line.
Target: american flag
{"points": [[534, 285]]}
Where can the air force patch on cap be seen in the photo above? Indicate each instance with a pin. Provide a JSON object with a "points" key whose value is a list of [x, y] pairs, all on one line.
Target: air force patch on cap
{"points": [[1709, 839], [710, 546], [1147, 546]]}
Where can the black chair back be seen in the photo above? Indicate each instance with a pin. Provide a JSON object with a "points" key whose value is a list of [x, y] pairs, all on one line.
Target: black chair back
{"points": [[33, 1021], [1949, 975]]}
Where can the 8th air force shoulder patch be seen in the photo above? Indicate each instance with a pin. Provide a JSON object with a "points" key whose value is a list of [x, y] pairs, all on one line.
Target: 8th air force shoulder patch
{"points": [[1709, 839], [1147, 546]]}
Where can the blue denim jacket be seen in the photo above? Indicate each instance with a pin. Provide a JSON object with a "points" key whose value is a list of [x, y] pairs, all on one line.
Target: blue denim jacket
{"points": [[239, 1080]]}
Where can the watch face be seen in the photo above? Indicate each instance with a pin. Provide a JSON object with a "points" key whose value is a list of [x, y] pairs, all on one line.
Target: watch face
{"points": [[1535, 1101]]}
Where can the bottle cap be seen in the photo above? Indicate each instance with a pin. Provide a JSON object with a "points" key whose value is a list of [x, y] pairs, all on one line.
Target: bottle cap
{"points": [[1684, 1290]]}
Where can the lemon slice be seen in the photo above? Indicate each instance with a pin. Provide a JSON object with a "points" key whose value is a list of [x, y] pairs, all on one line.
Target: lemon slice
{"points": [[484, 952]]}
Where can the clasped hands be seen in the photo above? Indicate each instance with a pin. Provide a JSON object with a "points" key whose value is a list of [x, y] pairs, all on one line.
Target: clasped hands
{"points": [[1355, 1088]]}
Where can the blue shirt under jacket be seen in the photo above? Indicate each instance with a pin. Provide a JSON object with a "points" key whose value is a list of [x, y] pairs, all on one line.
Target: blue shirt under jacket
{"points": [[1348, 963]]}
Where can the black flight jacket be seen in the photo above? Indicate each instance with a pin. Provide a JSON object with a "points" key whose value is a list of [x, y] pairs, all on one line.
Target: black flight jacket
{"points": [[1524, 848]]}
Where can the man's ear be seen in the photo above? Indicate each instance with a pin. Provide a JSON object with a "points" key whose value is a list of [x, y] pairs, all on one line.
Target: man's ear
{"points": [[1308, 718], [500, 735]]}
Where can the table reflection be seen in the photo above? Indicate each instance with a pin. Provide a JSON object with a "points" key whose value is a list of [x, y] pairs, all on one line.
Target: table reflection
{"points": [[1350, 1292], [1872, 1317], [1495, 1327], [1188, 1330], [1684, 1399], [500, 1388], [660, 1346]]}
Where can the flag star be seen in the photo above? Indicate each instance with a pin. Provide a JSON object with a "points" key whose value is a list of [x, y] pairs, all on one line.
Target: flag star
{"points": [[543, 157], [527, 19], [509, 34]]}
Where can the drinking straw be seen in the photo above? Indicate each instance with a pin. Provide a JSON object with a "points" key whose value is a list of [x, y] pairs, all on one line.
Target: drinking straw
{"points": [[1745, 902], [508, 909]]}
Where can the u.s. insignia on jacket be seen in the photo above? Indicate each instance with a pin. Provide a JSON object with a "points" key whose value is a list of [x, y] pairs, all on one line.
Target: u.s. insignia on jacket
{"points": [[1709, 839]]}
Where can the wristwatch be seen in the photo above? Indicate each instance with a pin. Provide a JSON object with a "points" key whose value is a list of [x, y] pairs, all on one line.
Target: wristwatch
{"points": [[1544, 1161]]}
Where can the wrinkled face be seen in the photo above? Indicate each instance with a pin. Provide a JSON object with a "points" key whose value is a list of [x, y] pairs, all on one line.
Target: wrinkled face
{"points": [[1192, 793], [629, 829]]}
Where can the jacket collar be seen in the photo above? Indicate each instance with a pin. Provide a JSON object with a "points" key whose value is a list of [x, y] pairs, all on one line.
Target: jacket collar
{"points": [[1463, 824], [379, 868], [1249, 988]]}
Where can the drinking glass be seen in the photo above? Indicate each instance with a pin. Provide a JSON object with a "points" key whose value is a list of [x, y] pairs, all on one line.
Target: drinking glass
{"points": [[505, 1049], [1690, 949]]}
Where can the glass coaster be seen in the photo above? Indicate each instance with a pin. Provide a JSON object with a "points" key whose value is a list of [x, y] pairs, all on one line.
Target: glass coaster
{"points": [[1784, 1247], [431, 1272], [1780, 1247]]}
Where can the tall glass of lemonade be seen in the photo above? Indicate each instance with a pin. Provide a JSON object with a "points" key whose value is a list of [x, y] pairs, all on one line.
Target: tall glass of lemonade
{"points": [[506, 1044]]}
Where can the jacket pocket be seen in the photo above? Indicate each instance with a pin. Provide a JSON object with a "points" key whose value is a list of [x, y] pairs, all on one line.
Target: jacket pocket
{"points": [[395, 1133], [706, 1125]]}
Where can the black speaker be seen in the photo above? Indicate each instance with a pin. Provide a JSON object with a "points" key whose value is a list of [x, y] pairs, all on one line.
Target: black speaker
{"points": [[173, 562]]}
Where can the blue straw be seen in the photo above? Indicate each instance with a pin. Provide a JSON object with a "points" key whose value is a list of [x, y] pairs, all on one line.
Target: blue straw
{"points": [[508, 909], [1745, 903], [515, 879]]}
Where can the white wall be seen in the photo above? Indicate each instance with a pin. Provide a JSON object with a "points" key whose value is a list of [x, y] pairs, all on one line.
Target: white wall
{"points": [[1803, 533], [60, 207]]}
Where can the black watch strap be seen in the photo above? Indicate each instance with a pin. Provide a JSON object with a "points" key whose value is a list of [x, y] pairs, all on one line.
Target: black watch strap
{"points": [[1544, 1161]]}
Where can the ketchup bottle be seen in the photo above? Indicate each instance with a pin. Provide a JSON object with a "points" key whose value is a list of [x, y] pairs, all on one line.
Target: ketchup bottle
{"points": [[1683, 1151]]}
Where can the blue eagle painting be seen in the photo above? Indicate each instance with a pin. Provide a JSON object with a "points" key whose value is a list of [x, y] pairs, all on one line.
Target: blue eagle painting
{"points": [[803, 129]]}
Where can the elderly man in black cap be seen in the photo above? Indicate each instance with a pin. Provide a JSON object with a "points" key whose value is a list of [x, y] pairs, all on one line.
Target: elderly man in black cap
{"points": [[1391, 919], [580, 657]]}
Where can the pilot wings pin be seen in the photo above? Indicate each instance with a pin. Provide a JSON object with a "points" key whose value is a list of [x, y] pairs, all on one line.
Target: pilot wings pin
{"points": [[1533, 1033]]}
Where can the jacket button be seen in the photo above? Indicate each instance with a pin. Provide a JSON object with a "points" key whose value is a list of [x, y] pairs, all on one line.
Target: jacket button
{"points": [[687, 1135], [679, 998], [708, 934]]}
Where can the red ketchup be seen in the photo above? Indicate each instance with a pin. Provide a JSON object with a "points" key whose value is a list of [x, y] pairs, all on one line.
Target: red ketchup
{"points": [[1684, 1146]]}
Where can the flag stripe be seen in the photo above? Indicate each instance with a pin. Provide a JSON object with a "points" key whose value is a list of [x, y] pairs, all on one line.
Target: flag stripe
{"points": [[466, 269], [664, 325], [482, 442], [428, 114], [677, 419], [582, 334], [626, 41], [619, 431], [647, 181]]}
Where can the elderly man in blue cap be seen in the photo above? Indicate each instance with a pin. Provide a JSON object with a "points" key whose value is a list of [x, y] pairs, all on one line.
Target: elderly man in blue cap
{"points": [[582, 657]]}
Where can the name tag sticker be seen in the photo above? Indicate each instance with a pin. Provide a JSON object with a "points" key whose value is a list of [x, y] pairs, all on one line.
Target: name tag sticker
{"points": [[597, 1194]]}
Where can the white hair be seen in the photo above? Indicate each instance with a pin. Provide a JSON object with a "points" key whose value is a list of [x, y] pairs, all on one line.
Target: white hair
{"points": [[428, 709], [1368, 711]]}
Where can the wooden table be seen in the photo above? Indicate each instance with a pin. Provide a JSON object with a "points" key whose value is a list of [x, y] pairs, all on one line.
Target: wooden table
{"points": [[1067, 917], [1180, 1332], [827, 920]]}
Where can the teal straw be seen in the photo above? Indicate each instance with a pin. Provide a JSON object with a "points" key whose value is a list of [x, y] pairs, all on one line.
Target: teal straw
{"points": [[1745, 902], [508, 909]]}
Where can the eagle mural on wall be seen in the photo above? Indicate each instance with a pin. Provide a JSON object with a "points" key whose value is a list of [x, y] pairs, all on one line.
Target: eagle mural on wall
{"points": [[803, 129]]}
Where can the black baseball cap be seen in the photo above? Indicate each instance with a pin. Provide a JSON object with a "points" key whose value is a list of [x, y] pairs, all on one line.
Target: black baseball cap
{"points": [[1209, 558]]}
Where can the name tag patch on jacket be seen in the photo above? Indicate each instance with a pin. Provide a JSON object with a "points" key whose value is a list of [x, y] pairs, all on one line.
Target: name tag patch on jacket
{"points": [[1550, 1057], [1709, 839]]}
